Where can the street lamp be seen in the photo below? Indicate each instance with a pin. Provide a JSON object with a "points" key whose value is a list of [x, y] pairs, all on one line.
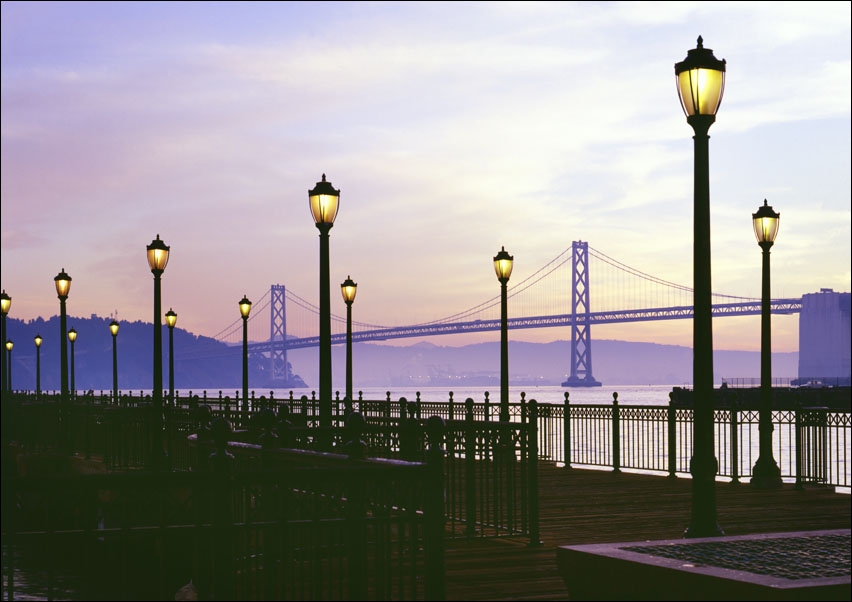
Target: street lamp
{"points": [[63, 287], [324, 201], [9, 345], [245, 308], [5, 305], [503, 266], [158, 257], [701, 83], [72, 336], [766, 473], [171, 320], [348, 290], [38, 340], [113, 329]]}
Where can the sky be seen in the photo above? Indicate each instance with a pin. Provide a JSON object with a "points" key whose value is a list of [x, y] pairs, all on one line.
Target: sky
{"points": [[451, 129]]}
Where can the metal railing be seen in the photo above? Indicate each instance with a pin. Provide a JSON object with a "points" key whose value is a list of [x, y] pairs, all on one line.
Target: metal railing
{"points": [[810, 444], [249, 522]]}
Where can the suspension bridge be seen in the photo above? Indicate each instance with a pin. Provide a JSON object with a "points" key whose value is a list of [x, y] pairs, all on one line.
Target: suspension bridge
{"points": [[622, 294]]}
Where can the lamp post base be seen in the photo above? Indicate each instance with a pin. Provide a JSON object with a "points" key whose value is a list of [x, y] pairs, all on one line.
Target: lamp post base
{"points": [[766, 474]]}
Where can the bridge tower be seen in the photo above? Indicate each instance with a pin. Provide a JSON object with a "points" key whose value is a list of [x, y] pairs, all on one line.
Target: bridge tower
{"points": [[581, 337], [279, 367]]}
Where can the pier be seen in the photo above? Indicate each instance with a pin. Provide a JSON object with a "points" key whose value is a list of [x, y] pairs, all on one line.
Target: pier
{"points": [[580, 506], [507, 507]]}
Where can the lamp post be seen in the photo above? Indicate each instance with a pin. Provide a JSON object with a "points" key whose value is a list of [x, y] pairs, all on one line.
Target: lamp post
{"points": [[38, 340], [766, 473], [348, 290], [63, 287], [245, 308], [113, 329], [324, 201], [72, 337], [503, 267], [5, 305], [171, 320], [701, 83], [158, 257], [9, 345]]}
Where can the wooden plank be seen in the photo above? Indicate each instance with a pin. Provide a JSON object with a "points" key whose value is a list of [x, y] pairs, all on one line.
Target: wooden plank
{"points": [[580, 506]]}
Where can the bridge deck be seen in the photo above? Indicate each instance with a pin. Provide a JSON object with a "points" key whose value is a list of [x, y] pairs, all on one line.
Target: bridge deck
{"points": [[590, 506]]}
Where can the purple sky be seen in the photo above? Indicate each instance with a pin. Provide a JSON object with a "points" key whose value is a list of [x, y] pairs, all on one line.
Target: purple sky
{"points": [[452, 129]]}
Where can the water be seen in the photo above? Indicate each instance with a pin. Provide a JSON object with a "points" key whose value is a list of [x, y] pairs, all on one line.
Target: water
{"points": [[651, 395]]}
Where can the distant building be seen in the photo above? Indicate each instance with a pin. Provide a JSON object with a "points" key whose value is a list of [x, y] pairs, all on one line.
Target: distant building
{"points": [[824, 338]]}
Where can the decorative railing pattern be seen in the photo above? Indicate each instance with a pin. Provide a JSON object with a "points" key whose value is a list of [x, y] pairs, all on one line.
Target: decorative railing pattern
{"points": [[249, 522], [810, 445]]}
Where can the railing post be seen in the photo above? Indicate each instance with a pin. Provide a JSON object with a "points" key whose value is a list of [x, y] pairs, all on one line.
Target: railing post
{"points": [[525, 443], [672, 430], [566, 432], [387, 422], [405, 432], [470, 468], [799, 444], [435, 586], [452, 407], [735, 447], [222, 465], [356, 511], [616, 435], [535, 539]]}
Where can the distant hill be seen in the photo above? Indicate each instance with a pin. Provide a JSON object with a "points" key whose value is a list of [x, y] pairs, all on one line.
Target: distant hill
{"points": [[200, 362], [219, 366]]}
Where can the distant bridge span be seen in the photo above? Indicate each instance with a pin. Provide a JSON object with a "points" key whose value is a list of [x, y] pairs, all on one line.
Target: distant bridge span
{"points": [[537, 296], [778, 306]]}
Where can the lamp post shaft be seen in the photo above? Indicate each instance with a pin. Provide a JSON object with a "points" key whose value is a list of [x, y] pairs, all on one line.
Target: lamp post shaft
{"points": [[349, 351], [766, 473], [703, 465], [157, 393], [765, 360], [245, 364], [325, 332], [5, 383], [63, 372], [38, 371], [171, 366], [504, 353], [73, 384], [158, 454], [114, 370]]}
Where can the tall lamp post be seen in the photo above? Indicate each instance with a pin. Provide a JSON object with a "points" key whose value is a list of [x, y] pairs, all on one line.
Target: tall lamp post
{"points": [[38, 340], [63, 287], [766, 473], [158, 257], [245, 308], [700, 84], [324, 201], [503, 266], [72, 337], [9, 345], [5, 305], [113, 329], [348, 290], [171, 320]]}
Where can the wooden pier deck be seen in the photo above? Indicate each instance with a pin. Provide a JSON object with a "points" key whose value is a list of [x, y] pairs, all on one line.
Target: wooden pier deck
{"points": [[580, 506]]}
